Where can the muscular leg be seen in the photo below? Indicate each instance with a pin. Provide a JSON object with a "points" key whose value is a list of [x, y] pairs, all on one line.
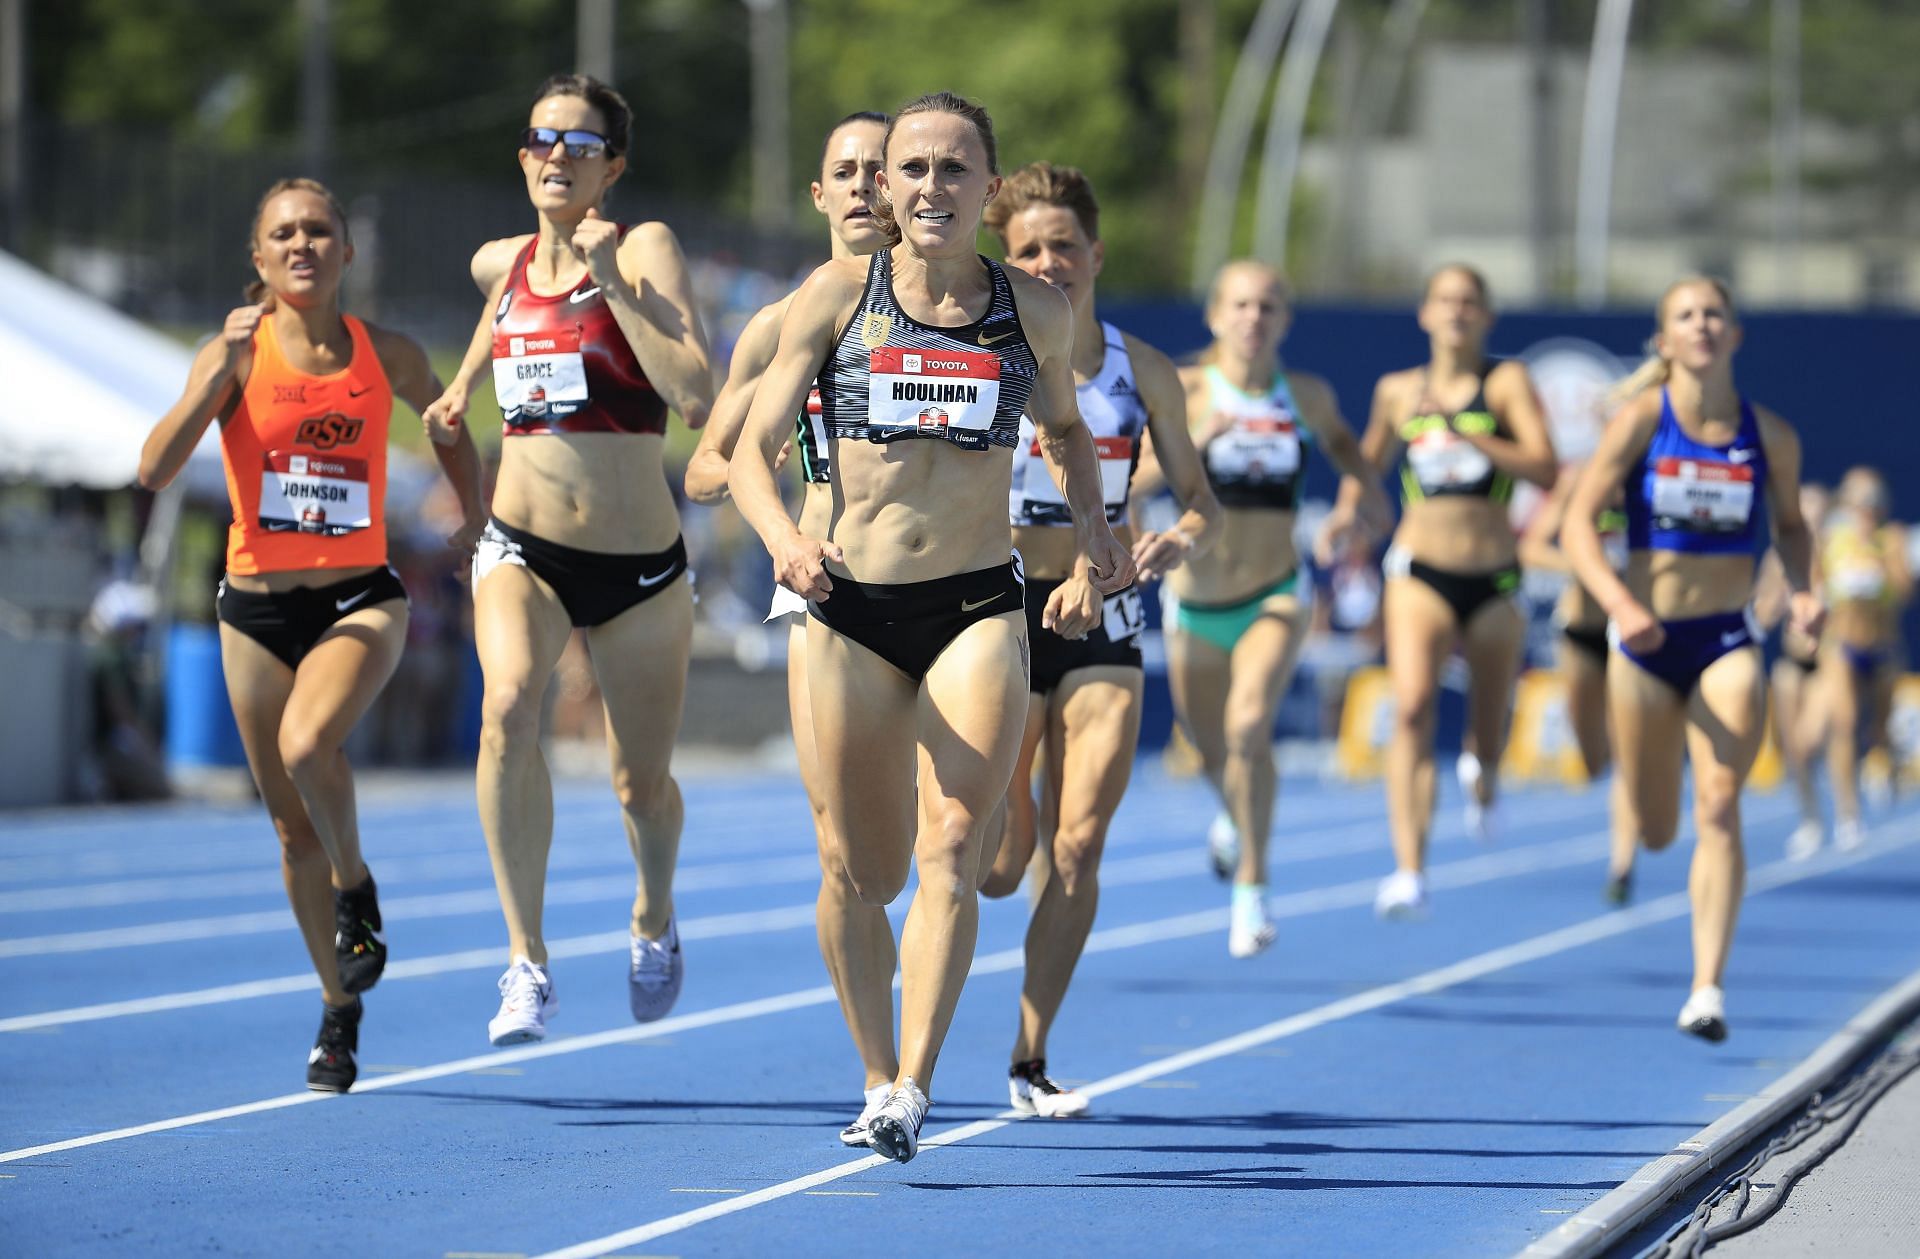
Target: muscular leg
{"points": [[1791, 689], [1199, 675], [336, 683], [1725, 725], [1648, 730], [969, 716], [856, 940], [1586, 683], [1021, 826], [1841, 699], [519, 630], [640, 661], [1493, 642], [1098, 731], [258, 685], [1263, 663], [1419, 633]]}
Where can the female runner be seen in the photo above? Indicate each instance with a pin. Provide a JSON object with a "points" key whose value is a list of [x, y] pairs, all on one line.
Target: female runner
{"points": [[312, 618], [1700, 467], [925, 357], [1469, 427], [1087, 679], [1237, 616], [591, 332], [1863, 557], [1790, 682], [1582, 656], [855, 938]]}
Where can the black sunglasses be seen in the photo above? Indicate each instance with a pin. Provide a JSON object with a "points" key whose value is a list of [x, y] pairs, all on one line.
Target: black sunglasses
{"points": [[540, 142]]}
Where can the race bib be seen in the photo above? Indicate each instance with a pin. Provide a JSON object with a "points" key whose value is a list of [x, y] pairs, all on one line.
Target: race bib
{"points": [[1442, 460], [322, 494], [932, 391], [1865, 582], [539, 376], [1701, 495], [1123, 616], [1044, 501], [1256, 448]]}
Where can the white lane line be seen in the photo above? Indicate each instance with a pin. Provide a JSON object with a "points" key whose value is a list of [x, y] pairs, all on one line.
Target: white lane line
{"points": [[1206, 922], [753, 872], [1613, 923], [1145, 869]]}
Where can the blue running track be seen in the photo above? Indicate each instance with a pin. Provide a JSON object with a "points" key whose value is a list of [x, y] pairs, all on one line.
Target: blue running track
{"points": [[1454, 1087]]}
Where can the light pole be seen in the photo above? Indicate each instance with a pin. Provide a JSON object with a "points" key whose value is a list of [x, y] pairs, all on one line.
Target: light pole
{"points": [[767, 44], [1598, 124], [1227, 155], [1280, 155], [593, 39], [1786, 146]]}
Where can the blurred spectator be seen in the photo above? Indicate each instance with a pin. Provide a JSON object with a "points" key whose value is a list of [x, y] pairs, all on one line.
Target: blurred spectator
{"points": [[127, 762]]}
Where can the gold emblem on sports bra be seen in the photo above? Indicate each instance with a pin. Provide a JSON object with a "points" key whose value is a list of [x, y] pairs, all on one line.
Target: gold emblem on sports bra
{"points": [[874, 330]]}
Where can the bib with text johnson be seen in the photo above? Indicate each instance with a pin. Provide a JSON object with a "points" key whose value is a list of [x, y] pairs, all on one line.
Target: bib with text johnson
{"points": [[1256, 448], [1045, 502], [932, 391], [323, 494], [1702, 495], [539, 376]]}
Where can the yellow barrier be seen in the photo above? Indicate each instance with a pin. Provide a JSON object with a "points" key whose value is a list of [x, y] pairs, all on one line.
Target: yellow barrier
{"points": [[1366, 724]]}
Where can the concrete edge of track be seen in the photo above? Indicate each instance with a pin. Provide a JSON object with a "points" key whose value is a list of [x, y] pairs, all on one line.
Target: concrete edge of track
{"points": [[1636, 1200]]}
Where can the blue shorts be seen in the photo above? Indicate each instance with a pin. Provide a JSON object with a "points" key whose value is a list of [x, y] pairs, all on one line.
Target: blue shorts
{"points": [[1692, 646], [1866, 661]]}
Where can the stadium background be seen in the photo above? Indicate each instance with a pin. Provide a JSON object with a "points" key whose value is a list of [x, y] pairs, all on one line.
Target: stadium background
{"points": [[1761, 140]]}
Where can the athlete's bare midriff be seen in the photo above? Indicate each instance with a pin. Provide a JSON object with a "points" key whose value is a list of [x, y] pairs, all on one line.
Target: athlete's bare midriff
{"points": [[1458, 535], [591, 491], [1676, 586], [278, 583], [1049, 552], [916, 510], [1254, 552]]}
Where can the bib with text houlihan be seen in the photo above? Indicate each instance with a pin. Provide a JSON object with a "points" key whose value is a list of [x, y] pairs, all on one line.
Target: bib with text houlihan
{"points": [[891, 378]]}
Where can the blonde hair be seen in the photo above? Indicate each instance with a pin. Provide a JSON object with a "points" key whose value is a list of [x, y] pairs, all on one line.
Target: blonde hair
{"points": [[1654, 370], [1273, 273], [257, 289]]}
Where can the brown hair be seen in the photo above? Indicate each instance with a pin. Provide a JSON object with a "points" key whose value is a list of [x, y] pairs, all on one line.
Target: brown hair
{"points": [[1043, 183], [257, 289], [1471, 272], [873, 116], [1655, 370], [612, 106], [935, 103]]}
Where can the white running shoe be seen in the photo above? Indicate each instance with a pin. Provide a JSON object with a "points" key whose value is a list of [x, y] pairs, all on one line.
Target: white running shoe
{"points": [[1402, 896], [527, 1001], [1249, 929], [654, 972], [1033, 1093], [894, 1130], [1478, 817], [1705, 1014], [1848, 834], [1223, 846], [1806, 840], [855, 1133]]}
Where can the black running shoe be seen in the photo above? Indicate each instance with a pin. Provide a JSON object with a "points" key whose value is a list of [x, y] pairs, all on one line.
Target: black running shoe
{"points": [[357, 942], [330, 1067], [1619, 889]]}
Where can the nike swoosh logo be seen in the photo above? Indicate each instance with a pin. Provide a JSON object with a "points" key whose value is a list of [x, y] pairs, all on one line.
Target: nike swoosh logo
{"points": [[354, 393], [969, 607], [344, 604], [585, 295], [987, 340], [1740, 456], [647, 581], [1733, 638]]}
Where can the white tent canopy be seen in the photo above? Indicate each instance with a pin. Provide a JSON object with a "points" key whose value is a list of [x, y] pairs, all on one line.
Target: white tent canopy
{"points": [[83, 384]]}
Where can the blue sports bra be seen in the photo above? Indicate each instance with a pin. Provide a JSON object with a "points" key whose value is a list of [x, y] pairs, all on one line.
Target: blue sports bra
{"points": [[1691, 497]]}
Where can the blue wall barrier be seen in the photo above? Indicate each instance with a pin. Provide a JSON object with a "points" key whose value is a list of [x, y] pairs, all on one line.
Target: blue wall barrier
{"points": [[200, 729]]}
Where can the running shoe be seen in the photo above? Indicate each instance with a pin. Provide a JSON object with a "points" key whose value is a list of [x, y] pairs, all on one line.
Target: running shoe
{"points": [[1223, 846], [1848, 834], [1805, 841], [894, 1131], [527, 1001], [1619, 888], [1402, 896], [358, 946], [330, 1067], [1705, 1014], [654, 973], [1249, 930], [1034, 1094], [1478, 817], [855, 1133]]}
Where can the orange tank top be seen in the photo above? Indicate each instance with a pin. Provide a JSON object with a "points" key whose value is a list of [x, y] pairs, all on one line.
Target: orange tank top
{"points": [[306, 461]]}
